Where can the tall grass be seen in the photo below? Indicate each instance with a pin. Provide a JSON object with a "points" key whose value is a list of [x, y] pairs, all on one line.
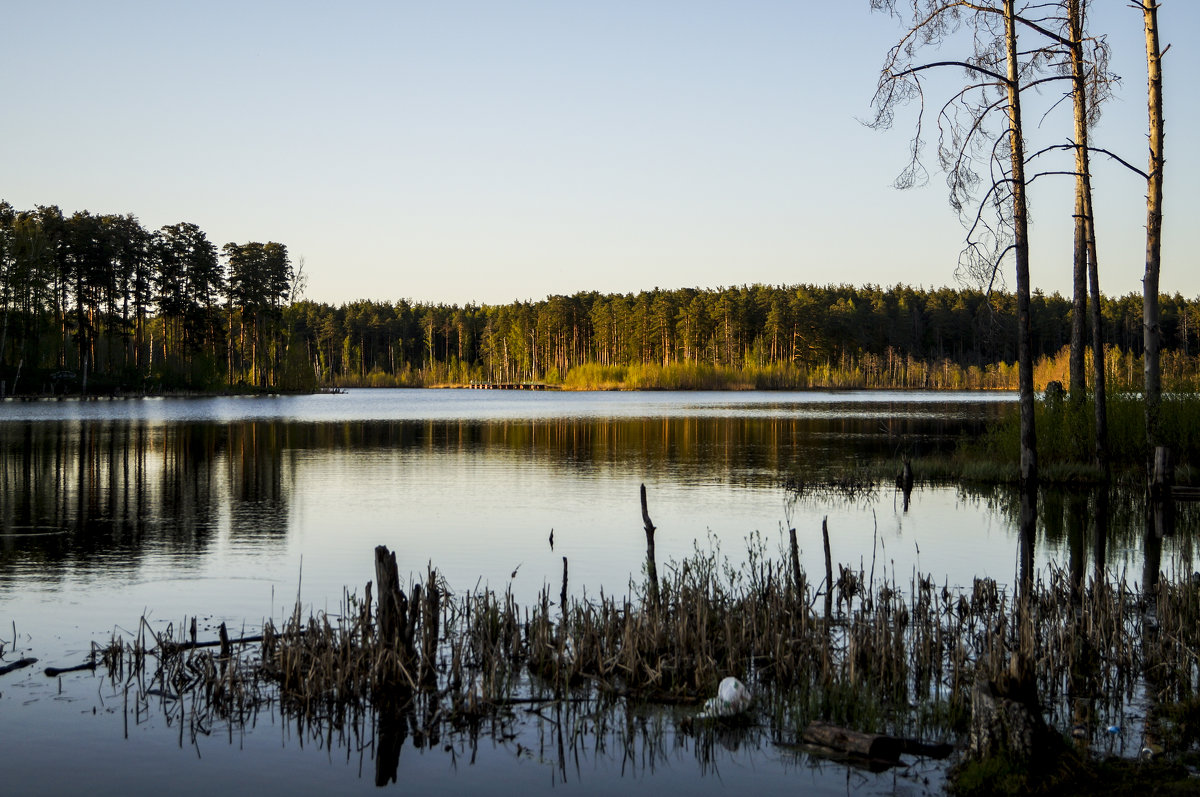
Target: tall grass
{"points": [[850, 375], [890, 656], [1065, 433], [849, 370]]}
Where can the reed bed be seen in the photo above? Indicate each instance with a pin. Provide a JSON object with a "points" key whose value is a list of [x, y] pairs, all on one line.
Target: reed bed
{"points": [[888, 657]]}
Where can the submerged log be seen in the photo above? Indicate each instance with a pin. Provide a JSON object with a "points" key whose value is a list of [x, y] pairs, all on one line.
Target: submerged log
{"points": [[868, 745], [875, 746], [16, 665]]}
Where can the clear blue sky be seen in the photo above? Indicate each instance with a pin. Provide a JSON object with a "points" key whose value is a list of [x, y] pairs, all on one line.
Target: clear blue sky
{"points": [[487, 151]]}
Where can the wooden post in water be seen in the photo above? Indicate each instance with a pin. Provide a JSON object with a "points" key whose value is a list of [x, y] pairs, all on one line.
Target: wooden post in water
{"points": [[414, 615], [828, 569], [904, 481], [429, 637], [562, 597], [651, 570], [393, 605], [797, 576]]}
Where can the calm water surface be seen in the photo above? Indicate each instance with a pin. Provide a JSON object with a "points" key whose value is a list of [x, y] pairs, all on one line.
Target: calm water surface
{"points": [[230, 508]]}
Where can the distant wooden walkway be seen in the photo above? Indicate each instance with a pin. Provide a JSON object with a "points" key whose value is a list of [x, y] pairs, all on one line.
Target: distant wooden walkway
{"points": [[1185, 493], [511, 386]]}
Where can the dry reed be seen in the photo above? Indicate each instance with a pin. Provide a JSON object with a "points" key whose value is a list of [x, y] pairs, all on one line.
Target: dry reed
{"points": [[892, 658]]}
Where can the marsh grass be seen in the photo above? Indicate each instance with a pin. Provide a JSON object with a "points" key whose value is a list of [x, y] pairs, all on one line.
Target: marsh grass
{"points": [[1064, 437], [892, 658]]}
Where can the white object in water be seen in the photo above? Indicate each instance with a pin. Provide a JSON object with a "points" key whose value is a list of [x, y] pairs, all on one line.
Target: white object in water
{"points": [[732, 698]]}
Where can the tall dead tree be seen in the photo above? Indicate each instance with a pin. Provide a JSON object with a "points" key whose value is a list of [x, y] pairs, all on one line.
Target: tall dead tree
{"points": [[1090, 83], [1079, 295], [1152, 328], [997, 72], [1020, 221]]}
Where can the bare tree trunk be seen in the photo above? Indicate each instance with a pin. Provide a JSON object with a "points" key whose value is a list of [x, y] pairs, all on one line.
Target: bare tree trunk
{"points": [[1099, 389], [1152, 331], [1078, 367], [1085, 230], [1021, 247]]}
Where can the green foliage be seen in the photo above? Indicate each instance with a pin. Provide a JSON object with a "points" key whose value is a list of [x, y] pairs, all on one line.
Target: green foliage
{"points": [[1064, 435], [103, 290], [1072, 775], [297, 374]]}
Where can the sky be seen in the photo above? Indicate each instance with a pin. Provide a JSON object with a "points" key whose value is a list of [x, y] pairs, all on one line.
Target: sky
{"points": [[492, 150]]}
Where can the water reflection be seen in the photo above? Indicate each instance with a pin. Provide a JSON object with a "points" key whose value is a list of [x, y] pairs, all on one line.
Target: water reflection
{"points": [[100, 493], [125, 512]]}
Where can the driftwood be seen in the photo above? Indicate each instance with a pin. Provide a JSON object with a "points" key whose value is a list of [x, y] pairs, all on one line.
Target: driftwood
{"points": [[16, 665]]}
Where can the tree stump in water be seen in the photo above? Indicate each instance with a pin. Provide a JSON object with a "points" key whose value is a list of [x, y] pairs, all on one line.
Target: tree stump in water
{"points": [[393, 605], [429, 628], [651, 569], [1006, 721]]}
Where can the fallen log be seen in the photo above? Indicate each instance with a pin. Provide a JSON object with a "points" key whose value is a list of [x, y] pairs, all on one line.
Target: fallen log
{"points": [[871, 745], [868, 745], [87, 665], [926, 749], [16, 665], [171, 648]]}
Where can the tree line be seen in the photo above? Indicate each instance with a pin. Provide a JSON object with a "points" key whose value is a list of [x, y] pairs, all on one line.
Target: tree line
{"points": [[883, 331], [100, 297]]}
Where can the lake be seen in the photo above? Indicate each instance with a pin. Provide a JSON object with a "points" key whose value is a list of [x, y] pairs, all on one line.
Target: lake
{"points": [[230, 509]]}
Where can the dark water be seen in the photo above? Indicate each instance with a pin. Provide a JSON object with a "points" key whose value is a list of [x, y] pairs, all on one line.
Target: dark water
{"points": [[230, 508]]}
